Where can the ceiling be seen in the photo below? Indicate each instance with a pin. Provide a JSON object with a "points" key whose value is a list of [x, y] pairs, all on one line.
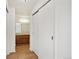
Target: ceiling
{"points": [[22, 7]]}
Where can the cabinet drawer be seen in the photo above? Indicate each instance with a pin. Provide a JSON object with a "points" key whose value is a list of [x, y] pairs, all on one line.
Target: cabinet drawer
{"points": [[22, 39]]}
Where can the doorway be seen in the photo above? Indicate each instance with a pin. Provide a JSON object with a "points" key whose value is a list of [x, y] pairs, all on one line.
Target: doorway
{"points": [[23, 38], [22, 33], [18, 20]]}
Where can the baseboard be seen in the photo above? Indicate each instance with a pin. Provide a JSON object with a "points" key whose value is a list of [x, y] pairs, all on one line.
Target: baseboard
{"points": [[10, 52], [62, 57], [34, 52]]}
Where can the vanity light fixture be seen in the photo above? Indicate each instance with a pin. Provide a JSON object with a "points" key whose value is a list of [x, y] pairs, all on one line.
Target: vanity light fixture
{"points": [[24, 20]]}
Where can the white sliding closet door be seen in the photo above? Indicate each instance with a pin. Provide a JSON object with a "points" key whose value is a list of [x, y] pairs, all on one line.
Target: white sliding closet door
{"points": [[45, 18]]}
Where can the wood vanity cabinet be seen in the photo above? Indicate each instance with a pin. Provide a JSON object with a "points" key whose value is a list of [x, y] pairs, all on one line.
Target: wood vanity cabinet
{"points": [[22, 39]]}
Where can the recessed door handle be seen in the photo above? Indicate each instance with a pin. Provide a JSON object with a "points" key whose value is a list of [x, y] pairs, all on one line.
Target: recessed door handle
{"points": [[52, 37]]}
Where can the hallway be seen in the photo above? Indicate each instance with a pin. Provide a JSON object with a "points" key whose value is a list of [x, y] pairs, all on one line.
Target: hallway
{"points": [[43, 24], [22, 52]]}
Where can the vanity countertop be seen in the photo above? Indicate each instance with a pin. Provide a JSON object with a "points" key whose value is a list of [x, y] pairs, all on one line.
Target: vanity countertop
{"points": [[22, 34]]}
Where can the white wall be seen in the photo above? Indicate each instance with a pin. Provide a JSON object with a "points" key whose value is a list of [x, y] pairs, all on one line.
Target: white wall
{"points": [[23, 28], [10, 30], [63, 29]]}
